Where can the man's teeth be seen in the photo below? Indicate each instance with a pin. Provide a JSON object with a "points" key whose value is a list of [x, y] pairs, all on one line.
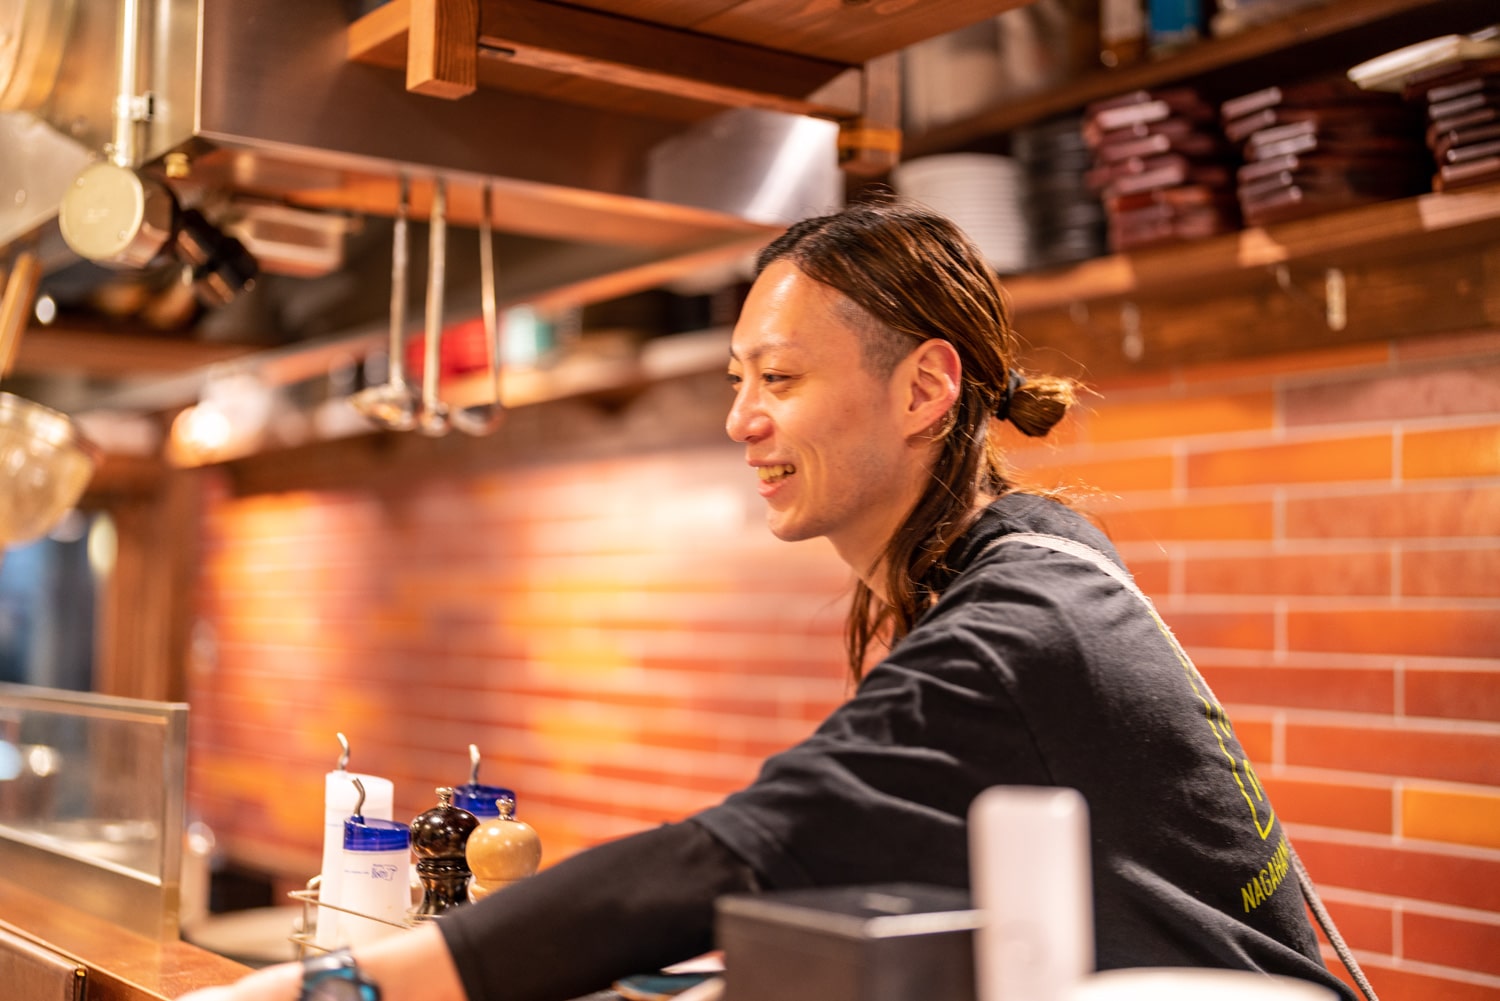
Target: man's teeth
{"points": [[773, 474]]}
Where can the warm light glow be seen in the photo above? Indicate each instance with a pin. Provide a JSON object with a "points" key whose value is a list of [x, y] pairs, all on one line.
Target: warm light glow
{"points": [[198, 434], [102, 546], [42, 760], [46, 309]]}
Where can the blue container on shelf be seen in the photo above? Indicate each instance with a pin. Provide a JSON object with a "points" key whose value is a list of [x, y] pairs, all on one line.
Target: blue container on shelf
{"points": [[485, 801]]}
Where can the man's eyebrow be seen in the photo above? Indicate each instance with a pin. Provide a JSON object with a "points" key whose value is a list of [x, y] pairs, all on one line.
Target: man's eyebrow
{"points": [[771, 344]]}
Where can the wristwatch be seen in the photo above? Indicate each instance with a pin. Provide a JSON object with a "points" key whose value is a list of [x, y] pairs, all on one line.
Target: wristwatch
{"points": [[335, 977]]}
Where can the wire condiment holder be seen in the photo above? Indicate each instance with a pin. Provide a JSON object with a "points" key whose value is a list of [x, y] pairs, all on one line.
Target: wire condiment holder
{"points": [[304, 933]]}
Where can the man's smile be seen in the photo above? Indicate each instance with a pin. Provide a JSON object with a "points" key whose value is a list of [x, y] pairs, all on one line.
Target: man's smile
{"points": [[775, 474]]}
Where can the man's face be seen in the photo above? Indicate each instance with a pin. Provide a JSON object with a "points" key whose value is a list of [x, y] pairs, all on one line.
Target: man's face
{"points": [[825, 436]]}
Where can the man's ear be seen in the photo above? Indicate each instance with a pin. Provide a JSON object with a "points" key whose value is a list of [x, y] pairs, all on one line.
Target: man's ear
{"points": [[931, 376]]}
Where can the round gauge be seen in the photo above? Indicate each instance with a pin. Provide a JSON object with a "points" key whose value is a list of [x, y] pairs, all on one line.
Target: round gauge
{"points": [[33, 34]]}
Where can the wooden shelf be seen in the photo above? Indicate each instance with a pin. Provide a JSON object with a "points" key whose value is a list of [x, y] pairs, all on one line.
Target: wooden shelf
{"points": [[1389, 271], [1339, 34], [1409, 226], [667, 60]]}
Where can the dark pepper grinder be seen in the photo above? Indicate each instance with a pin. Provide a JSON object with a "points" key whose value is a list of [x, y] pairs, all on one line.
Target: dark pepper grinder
{"points": [[438, 839]]}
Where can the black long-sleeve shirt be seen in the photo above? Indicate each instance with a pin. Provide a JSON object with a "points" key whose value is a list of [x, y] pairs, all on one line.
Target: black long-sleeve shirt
{"points": [[1033, 668]]}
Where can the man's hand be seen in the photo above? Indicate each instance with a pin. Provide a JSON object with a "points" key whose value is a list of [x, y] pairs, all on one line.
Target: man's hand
{"points": [[274, 983]]}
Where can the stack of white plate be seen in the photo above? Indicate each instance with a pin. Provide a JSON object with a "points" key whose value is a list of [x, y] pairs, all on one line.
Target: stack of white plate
{"points": [[980, 192]]}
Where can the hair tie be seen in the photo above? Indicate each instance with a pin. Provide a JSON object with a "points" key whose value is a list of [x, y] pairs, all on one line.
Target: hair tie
{"points": [[1013, 383]]}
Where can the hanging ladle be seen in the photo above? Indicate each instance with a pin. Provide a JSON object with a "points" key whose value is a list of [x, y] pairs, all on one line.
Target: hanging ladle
{"points": [[393, 405], [485, 418], [432, 417]]}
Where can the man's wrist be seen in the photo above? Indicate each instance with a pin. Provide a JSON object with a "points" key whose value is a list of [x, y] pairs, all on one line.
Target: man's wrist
{"points": [[336, 977]]}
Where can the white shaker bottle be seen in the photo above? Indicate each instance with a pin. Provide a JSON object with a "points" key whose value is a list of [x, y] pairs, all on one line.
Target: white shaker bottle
{"points": [[374, 877], [339, 799]]}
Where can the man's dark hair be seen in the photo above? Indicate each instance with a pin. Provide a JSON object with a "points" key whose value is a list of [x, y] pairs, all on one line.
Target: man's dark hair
{"points": [[909, 275]]}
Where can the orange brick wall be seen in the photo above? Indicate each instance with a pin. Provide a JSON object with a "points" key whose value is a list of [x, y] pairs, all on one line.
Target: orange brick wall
{"points": [[611, 624]]}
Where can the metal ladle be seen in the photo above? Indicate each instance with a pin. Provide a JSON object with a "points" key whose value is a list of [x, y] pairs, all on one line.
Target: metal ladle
{"points": [[393, 405], [432, 417], [484, 418]]}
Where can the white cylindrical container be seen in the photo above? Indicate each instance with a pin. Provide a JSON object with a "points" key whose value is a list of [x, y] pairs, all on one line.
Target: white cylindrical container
{"points": [[374, 879], [339, 800], [1029, 866]]}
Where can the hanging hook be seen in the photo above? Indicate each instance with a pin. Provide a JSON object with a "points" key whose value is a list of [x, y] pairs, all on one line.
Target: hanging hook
{"points": [[344, 755], [359, 804], [1335, 305]]}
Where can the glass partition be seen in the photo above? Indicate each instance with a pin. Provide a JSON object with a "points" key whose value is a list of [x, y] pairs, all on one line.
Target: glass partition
{"points": [[91, 800]]}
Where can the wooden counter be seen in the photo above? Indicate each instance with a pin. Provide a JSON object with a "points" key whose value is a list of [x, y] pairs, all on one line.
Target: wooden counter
{"points": [[122, 966]]}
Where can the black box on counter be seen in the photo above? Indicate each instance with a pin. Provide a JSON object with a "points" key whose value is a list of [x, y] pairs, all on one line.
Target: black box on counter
{"points": [[890, 942]]}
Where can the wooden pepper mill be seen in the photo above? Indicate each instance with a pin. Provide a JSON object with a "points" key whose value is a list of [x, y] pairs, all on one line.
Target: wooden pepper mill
{"points": [[438, 839], [502, 851]]}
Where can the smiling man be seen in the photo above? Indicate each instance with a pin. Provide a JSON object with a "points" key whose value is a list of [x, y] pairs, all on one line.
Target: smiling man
{"points": [[996, 636]]}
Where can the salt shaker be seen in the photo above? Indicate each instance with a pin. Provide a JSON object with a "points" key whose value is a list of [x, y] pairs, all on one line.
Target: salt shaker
{"points": [[438, 839]]}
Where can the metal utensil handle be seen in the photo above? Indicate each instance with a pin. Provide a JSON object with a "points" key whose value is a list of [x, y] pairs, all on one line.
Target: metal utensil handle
{"points": [[487, 287], [436, 263], [396, 368]]}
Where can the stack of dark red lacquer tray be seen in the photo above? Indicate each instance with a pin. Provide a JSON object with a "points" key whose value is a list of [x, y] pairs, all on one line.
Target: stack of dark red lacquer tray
{"points": [[1322, 144], [1161, 167], [1462, 102]]}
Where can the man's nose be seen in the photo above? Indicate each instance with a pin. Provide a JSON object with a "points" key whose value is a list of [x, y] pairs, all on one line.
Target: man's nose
{"points": [[746, 421]]}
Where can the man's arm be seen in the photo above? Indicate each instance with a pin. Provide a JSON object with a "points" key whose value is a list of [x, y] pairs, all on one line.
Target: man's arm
{"points": [[629, 906], [415, 965]]}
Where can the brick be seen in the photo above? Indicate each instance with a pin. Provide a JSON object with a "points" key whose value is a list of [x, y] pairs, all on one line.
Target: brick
{"points": [[1366, 927], [1451, 452], [1441, 632], [1451, 573], [1453, 694], [1443, 878], [1333, 573], [1121, 475], [1392, 750], [1465, 818], [1395, 396], [1223, 630], [1371, 690], [1395, 984], [1443, 941], [1405, 513], [1174, 417], [1324, 461], [1342, 805], [1190, 522]]}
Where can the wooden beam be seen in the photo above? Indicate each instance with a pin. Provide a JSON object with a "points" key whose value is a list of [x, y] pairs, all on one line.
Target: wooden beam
{"points": [[870, 145], [442, 58], [1425, 223], [1257, 316], [94, 351]]}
